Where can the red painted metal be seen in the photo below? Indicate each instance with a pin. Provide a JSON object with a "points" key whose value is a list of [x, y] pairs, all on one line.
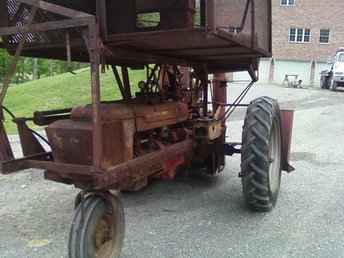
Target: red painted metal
{"points": [[125, 174], [170, 168]]}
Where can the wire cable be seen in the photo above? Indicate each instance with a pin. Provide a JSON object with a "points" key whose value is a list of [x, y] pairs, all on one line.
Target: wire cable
{"points": [[14, 119]]}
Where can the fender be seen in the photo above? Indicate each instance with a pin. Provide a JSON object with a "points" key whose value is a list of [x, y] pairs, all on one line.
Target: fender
{"points": [[287, 121]]}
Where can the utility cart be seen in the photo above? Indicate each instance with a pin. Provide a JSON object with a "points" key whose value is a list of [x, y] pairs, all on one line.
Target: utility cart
{"points": [[176, 119]]}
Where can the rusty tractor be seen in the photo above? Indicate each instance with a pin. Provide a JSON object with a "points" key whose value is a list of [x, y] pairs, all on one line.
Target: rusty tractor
{"points": [[176, 119]]}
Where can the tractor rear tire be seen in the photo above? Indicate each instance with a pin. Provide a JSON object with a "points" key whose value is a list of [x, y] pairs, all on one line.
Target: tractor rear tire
{"points": [[261, 154], [97, 228]]}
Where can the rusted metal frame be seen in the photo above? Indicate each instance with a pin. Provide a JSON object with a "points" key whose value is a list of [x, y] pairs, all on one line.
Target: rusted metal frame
{"points": [[4, 14], [17, 15], [252, 72], [29, 143], [12, 166], [269, 26], [122, 37], [141, 167], [119, 82], [228, 56], [151, 74], [13, 67], [102, 18], [43, 161], [56, 9], [46, 26], [236, 102], [120, 57], [253, 24], [101, 15], [126, 81], [94, 54], [205, 86], [203, 13], [75, 43], [60, 168], [243, 21], [68, 51], [220, 95], [211, 16], [229, 37]]}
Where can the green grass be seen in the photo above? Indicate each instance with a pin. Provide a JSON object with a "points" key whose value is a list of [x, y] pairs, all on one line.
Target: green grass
{"points": [[61, 91]]}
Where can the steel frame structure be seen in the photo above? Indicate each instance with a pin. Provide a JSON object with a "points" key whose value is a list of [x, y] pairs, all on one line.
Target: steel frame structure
{"points": [[209, 49]]}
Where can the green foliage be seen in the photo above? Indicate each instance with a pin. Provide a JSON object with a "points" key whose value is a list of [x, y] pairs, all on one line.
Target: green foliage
{"points": [[4, 61], [61, 91], [32, 68]]}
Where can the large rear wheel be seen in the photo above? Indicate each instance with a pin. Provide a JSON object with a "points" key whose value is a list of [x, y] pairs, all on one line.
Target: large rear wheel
{"points": [[261, 154], [98, 228]]}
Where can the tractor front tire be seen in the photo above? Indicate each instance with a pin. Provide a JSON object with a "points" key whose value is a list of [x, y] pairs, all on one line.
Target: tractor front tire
{"points": [[98, 228], [261, 154]]}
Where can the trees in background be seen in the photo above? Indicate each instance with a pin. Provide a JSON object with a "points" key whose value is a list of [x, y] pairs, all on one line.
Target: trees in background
{"points": [[34, 68]]}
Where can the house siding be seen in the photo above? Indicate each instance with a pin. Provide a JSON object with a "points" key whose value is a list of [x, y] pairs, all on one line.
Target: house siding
{"points": [[315, 15]]}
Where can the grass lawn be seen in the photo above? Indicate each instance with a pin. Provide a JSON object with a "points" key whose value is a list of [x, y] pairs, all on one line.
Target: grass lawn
{"points": [[61, 91]]}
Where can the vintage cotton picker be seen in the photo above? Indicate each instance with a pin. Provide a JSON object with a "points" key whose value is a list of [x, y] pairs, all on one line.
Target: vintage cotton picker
{"points": [[176, 119]]}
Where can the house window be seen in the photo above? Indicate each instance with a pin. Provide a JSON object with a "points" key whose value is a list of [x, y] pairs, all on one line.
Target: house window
{"points": [[299, 35], [324, 36], [288, 2]]}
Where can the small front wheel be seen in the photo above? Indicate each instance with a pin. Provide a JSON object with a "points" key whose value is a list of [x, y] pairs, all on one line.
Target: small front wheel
{"points": [[261, 154], [97, 228]]}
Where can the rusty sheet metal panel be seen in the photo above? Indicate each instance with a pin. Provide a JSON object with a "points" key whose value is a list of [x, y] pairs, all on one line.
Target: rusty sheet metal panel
{"points": [[72, 142], [18, 13], [146, 117], [109, 112], [123, 15], [154, 116], [230, 36], [87, 6], [3, 14], [246, 20], [29, 143]]}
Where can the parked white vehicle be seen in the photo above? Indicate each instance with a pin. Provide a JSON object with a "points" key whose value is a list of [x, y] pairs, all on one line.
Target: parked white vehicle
{"points": [[334, 78]]}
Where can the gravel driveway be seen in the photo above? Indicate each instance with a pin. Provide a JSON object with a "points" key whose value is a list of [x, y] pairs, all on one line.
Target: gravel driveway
{"points": [[205, 217]]}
